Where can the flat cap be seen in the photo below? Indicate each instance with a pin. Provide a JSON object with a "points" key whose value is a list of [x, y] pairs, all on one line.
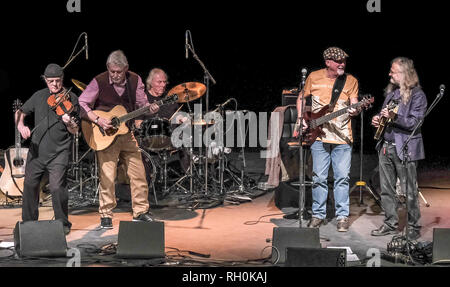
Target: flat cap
{"points": [[334, 53]]}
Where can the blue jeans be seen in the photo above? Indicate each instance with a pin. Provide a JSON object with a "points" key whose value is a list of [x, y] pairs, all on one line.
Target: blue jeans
{"points": [[340, 156]]}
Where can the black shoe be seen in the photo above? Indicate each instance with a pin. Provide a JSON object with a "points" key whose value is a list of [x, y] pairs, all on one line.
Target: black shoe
{"points": [[144, 217], [413, 234], [106, 223], [383, 230], [66, 230]]}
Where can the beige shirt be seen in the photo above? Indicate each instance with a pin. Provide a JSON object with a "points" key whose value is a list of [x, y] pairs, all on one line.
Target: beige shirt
{"points": [[339, 129]]}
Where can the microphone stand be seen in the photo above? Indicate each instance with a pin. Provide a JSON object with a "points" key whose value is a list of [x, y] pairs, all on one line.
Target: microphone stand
{"points": [[207, 78], [72, 57], [405, 160], [301, 197]]}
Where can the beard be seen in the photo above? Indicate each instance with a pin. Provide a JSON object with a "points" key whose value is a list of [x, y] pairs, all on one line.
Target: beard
{"points": [[340, 72]]}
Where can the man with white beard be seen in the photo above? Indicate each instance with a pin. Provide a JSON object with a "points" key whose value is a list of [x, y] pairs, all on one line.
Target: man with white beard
{"points": [[331, 85]]}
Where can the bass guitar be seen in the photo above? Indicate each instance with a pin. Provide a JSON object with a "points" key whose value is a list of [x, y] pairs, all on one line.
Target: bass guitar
{"points": [[13, 176], [99, 139], [316, 120]]}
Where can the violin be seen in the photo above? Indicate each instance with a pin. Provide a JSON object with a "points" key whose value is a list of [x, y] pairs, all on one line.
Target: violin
{"points": [[60, 102]]}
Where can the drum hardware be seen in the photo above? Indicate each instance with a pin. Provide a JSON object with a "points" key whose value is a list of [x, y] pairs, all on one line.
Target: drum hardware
{"points": [[153, 176], [78, 172]]}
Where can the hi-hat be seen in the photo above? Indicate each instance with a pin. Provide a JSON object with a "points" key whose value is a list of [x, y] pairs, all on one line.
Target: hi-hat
{"points": [[80, 85], [188, 91]]}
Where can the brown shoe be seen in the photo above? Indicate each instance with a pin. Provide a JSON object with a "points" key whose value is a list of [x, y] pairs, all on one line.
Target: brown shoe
{"points": [[343, 224], [315, 222]]}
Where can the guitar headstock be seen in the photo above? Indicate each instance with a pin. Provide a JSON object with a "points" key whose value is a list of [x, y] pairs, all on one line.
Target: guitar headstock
{"points": [[17, 104], [367, 101], [170, 99]]}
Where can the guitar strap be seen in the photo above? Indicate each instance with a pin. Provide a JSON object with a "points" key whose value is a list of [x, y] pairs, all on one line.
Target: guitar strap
{"points": [[337, 89]]}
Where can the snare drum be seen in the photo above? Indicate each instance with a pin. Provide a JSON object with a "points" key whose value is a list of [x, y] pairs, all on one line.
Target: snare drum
{"points": [[156, 133]]}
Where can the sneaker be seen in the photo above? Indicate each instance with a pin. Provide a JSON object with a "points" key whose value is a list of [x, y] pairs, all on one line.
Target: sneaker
{"points": [[343, 224], [106, 223], [383, 230], [144, 217], [315, 222]]}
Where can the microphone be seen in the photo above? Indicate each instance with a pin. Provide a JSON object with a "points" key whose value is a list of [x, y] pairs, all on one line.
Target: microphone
{"points": [[304, 71], [226, 102], [442, 89], [186, 43], [86, 44]]}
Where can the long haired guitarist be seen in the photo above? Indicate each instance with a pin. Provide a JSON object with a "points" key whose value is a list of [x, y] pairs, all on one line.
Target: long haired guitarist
{"points": [[50, 146], [118, 87], [333, 87]]}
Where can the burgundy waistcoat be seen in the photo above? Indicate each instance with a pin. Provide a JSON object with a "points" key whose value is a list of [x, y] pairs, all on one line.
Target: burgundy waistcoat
{"points": [[108, 97]]}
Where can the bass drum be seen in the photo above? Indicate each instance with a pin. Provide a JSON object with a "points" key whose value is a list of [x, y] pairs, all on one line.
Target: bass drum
{"points": [[155, 134]]}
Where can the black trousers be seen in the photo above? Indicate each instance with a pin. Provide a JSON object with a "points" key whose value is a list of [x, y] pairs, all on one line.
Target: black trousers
{"points": [[391, 167], [34, 172]]}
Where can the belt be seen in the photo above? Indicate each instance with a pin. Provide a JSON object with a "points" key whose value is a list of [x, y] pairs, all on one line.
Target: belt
{"points": [[389, 143]]}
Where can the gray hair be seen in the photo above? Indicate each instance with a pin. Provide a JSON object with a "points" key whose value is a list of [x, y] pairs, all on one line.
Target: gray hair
{"points": [[152, 74], [117, 58]]}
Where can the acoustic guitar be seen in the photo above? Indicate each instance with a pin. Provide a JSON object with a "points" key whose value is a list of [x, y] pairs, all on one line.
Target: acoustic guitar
{"points": [[99, 139], [316, 120], [13, 176]]}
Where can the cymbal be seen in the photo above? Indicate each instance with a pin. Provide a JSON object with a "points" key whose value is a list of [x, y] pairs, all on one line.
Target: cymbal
{"points": [[188, 91], [202, 123], [80, 85]]}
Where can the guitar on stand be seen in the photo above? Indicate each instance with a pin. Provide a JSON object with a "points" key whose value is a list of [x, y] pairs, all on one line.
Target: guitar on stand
{"points": [[13, 176]]}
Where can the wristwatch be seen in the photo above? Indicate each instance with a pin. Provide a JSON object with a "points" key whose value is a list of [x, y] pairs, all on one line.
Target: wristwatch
{"points": [[96, 120]]}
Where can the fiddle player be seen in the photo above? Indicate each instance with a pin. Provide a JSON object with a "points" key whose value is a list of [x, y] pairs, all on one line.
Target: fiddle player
{"points": [[50, 146], [118, 86]]}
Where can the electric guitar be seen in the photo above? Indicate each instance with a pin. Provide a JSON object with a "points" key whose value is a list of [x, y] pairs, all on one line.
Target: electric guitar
{"points": [[392, 107], [13, 176], [99, 139], [316, 120]]}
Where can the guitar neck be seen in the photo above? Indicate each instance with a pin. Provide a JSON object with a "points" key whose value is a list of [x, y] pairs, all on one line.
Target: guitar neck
{"points": [[17, 139], [137, 113], [329, 117]]}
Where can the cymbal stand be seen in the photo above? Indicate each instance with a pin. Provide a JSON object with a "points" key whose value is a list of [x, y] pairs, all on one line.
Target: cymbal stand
{"points": [[207, 78]]}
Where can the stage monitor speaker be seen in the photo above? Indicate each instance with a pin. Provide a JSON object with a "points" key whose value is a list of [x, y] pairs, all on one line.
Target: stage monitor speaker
{"points": [[138, 239], [284, 237], [40, 239], [441, 245], [315, 257]]}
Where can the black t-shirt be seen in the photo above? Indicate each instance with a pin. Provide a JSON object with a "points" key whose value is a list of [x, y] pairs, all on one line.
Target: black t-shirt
{"points": [[165, 111], [50, 136]]}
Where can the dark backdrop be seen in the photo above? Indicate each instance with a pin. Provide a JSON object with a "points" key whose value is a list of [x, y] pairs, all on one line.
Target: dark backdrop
{"points": [[253, 50]]}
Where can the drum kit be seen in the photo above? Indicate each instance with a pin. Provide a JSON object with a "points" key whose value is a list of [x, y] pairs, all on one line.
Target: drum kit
{"points": [[198, 175]]}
